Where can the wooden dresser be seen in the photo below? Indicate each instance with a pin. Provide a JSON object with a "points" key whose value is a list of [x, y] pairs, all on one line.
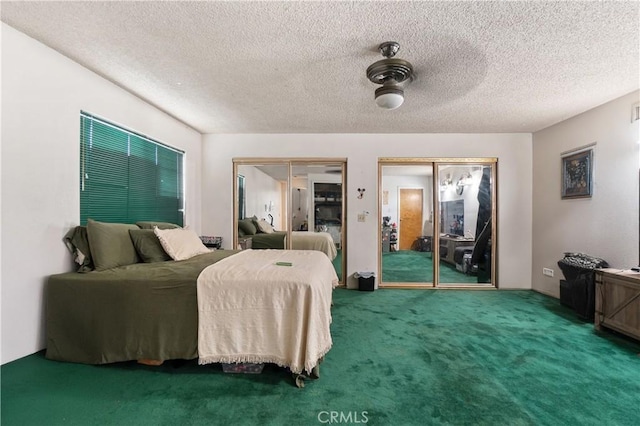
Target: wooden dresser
{"points": [[618, 301]]}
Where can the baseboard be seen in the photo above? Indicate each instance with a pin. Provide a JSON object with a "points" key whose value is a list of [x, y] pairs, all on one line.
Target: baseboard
{"points": [[545, 293]]}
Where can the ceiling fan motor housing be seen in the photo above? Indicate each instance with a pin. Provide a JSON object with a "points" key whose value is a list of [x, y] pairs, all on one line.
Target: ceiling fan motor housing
{"points": [[390, 73]]}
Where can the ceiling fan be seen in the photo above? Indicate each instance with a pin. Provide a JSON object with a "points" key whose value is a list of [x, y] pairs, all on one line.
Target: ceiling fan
{"points": [[390, 73]]}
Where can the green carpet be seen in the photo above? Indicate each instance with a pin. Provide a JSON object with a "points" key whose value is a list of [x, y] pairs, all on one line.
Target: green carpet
{"points": [[400, 357], [409, 266]]}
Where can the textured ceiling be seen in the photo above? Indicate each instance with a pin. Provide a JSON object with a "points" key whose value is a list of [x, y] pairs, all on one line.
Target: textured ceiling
{"points": [[299, 67]]}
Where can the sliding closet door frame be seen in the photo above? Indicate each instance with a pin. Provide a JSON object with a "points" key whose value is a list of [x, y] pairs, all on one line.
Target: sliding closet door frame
{"points": [[435, 245], [383, 162], [489, 162]]}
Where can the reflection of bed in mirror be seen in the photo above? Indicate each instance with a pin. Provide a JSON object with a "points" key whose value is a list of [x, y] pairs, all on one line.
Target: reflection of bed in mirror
{"points": [[300, 240], [333, 228]]}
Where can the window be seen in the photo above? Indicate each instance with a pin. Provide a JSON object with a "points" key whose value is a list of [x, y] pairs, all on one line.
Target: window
{"points": [[126, 177]]}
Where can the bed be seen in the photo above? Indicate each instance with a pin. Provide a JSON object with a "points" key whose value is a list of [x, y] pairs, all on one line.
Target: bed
{"points": [[266, 306], [132, 312], [262, 236], [151, 310], [300, 240]]}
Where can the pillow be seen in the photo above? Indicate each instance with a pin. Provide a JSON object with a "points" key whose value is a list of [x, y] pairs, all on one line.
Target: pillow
{"points": [[180, 244], [111, 245], [264, 227], [241, 232], [148, 246], [247, 226], [77, 242], [161, 225]]}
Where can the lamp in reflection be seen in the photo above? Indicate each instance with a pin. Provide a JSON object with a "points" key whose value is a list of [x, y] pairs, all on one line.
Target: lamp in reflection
{"points": [[465, 179], [446, 183]]}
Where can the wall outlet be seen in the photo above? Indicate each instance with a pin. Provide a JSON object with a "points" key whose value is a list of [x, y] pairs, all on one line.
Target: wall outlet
{"points": [[548, 272], [361, 217]]}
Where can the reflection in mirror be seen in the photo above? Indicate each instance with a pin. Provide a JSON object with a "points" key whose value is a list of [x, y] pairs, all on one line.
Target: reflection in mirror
{"points": [[307, 205], [263, 223], [242, 201], [407, 224], [317, 209], [465, 225]]}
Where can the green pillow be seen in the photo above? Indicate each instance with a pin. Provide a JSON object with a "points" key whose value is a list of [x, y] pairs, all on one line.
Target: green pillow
{"points": [[148, 246], [77, 242], [111, 245], [160, 225], [247, 226]]}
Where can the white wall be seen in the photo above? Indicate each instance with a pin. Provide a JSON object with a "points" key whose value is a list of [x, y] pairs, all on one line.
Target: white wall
{"points": [[43, 93], [514, 153], [605, 225]]}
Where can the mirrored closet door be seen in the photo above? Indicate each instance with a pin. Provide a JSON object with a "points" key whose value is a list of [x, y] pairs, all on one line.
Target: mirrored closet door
{"points": [[437, 222], [291, 204], [465, 225], [261, 201], [406, 233]]}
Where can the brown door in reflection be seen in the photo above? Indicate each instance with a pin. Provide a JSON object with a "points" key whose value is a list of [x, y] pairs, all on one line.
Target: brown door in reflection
{"points": [[410, 218]]}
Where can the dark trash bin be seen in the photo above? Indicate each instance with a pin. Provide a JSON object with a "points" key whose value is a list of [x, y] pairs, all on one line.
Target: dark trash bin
{"points": [[423, 243], [578, 289], [366, 280]]}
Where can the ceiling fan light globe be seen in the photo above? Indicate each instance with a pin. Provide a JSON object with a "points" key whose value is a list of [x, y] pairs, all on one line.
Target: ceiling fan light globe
{"points": [[389, 100], [389, 97]]}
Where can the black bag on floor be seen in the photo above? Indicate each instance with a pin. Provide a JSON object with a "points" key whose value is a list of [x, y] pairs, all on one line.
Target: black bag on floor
{"points": [[578, 291]]}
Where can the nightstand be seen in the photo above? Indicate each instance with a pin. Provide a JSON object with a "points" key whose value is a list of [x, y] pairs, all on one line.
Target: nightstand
{"points": [[211, 242], [244, 243]]}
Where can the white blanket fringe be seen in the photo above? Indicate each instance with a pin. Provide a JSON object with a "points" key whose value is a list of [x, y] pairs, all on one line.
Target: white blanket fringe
{"points": [[262, 359]]}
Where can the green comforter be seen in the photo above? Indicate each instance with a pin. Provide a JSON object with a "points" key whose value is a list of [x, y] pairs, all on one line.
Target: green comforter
{"points": [[275, 240], [140, 311]]}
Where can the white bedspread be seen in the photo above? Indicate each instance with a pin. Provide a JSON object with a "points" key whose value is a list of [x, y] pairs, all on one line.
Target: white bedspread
{"points": [[252, 310], [321, 241]]}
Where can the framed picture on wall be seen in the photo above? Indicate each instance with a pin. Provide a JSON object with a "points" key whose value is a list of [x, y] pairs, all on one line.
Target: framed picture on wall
{"points": [[577, 175]]}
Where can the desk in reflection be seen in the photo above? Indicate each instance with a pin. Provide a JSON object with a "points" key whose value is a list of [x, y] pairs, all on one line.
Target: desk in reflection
{"points": [[450, 243]]}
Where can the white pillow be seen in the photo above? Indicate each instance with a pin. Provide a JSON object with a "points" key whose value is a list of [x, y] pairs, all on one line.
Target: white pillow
{"points": [[179, 243], [264, 226]]}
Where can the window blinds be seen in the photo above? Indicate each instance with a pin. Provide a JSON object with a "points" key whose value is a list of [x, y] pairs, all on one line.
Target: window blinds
{"points": [[126, 177]]}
